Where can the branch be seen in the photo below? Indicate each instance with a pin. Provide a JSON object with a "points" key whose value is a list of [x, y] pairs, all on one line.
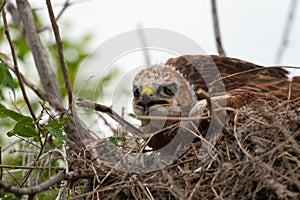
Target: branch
{"points": [[31, 167], [35, 189], [3, 5], [286, 32], [107, 110], [216, 28], [57, 178], [40, 56], [63, 63], [74, 128], [66, 5]]}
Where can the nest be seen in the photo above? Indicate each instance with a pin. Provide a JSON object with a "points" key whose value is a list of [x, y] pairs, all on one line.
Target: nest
{"points": [[257, 157]]}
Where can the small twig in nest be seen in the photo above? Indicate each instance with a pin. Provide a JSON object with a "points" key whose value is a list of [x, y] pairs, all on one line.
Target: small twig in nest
{"points": [[198, 117], [109, 111]]}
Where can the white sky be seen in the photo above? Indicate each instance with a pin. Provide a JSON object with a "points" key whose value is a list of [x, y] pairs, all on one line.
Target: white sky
{"points": [[251, 29]]}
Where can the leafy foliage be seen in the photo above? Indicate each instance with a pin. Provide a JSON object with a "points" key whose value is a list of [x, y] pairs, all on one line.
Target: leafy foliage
{"points": [[24, 127]]}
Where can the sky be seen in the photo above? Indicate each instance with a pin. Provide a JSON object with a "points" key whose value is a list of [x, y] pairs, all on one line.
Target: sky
{"points": [[250, 29]]}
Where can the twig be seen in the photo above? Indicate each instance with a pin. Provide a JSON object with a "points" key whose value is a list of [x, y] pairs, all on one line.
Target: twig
{"points": [[286, 32], [198, 117], [3, 4], [31, 167], [20, 80], [107, 110], [63, 63], [237, 138], [66, 5], [216, 28]]}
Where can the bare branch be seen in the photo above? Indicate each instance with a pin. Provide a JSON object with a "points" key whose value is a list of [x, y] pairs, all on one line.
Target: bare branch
{"points": [[60, 52], [35, 189], [3, 5], [66, 5], [286, 32], [31, 167], [107, 110], [217, 29], [41, 59]]}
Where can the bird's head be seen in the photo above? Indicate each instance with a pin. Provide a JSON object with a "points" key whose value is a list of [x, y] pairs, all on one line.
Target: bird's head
{"points": [[161, 91]]}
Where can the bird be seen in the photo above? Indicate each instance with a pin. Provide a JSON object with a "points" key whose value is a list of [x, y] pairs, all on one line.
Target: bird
{"points": [[171, 89]]}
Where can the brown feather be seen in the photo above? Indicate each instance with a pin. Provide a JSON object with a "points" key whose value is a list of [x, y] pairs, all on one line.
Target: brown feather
{"points": [[243, 80]]}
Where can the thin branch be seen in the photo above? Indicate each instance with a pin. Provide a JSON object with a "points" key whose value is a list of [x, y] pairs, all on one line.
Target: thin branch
{"points": [[3, 5], [66, 5], [216, 28], [237, 137], [286, 32], [16, 68], [107, 110], [31, 167], [63, 63]]}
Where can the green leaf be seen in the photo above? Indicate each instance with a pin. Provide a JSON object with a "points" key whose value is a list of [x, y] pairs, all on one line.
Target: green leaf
{"points": [[54, 128], [6, 78], [4, 112], [57, 133], [25, 128]]}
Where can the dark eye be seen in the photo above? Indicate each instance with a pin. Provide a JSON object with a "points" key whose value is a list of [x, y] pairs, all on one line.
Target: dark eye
{"points": [[136, 93], [168, 90]]}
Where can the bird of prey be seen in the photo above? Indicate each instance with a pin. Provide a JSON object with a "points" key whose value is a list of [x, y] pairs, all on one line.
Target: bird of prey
{"points": [[170, 89]]}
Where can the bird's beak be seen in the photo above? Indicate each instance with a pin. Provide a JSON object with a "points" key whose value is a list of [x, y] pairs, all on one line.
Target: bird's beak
{"points": [[147, 94], [148, 100]]}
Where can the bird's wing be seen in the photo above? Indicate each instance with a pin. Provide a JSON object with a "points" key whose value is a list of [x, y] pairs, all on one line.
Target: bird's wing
{"points": [[244, 81]]}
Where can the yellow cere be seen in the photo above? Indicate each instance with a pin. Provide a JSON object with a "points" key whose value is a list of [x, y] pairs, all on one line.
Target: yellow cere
{"points": [[148, 91]]}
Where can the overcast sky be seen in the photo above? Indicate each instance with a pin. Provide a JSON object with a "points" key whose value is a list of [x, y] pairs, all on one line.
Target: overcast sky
{"points": [[251, 29]]}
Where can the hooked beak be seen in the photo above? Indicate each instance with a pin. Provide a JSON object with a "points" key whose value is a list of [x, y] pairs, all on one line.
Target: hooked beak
{"points": [[148, 100]]}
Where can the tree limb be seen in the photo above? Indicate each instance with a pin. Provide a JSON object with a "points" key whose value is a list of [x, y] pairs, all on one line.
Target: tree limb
{"points": [[35, 189], [40, 56]]}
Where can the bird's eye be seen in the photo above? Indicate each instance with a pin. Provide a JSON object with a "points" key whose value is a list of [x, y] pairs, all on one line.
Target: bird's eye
{"points": [[168, 90], [136, 93]]}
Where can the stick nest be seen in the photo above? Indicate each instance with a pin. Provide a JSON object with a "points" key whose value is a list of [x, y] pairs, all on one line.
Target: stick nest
{"points": [[257, 158]]}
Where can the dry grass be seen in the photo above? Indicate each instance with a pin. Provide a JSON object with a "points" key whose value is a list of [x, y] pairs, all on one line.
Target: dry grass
{"points": [[257, 158]]}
